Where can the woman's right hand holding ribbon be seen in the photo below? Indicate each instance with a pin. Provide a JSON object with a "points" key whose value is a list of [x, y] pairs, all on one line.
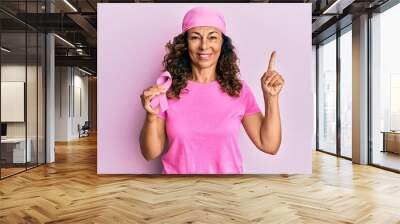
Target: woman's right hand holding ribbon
{"points": [[148, 94]]}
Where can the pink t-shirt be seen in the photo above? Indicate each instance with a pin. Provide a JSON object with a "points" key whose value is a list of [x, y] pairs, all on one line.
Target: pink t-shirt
{"points": [[203, 128]]}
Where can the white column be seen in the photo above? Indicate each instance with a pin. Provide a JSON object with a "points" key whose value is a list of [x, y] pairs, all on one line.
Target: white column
{"points": [[50, 110], [360, 90], [50, 91]]}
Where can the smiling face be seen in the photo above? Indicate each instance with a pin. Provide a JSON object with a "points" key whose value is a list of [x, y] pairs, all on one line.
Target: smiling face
{"points": [[204, 46]]}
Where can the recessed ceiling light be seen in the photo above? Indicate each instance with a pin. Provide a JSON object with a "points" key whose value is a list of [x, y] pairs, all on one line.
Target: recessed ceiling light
{"points": [[5, 49], [84, 71], [64, 40], [337, 7], [328, 10], [70, 5]]}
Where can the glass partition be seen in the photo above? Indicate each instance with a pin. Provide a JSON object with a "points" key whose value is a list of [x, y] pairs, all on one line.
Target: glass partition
{"points": [[22, 78], [13, 95], [32, 95], [41, 87]]}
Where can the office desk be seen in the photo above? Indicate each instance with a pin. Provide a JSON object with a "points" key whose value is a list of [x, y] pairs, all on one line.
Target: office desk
{"points": [[13, 150], [391, 141]]}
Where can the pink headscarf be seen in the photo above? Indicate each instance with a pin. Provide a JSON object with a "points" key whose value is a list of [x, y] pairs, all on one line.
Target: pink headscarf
{"points": [[203, 16]]}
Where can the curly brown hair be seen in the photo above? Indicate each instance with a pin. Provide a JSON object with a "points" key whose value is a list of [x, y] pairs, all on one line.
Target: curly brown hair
{"points": [[178, 63]]}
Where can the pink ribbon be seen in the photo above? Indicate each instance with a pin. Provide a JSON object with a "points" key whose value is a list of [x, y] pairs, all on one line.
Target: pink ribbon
{"points": [[165, 79]]}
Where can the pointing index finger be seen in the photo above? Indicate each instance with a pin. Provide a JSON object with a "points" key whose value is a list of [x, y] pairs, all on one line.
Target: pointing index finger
{"points": [[272, 61]]}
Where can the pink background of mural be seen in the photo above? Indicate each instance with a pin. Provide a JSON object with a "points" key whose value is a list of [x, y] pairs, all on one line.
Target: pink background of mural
{"points": [[131, 39]]}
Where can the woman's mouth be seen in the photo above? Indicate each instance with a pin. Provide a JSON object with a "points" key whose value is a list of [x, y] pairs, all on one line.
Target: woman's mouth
{"points": [[204, 56]]}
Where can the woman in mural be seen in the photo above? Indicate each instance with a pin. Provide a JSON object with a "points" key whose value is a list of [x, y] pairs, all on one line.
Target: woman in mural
{"points": [[199, 103]]}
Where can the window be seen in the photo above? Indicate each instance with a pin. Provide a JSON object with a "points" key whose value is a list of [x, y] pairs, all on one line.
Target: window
{"points": [[346, 92], [327, 95], [385, 88]]}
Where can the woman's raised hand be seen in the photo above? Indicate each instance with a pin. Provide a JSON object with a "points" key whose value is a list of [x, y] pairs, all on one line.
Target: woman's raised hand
{"points": [[148, 94], [271, 81]]}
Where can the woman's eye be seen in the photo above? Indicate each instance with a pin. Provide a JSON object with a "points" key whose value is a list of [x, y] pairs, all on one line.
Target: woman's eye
{"points": [[213, 38], [193, 38]]}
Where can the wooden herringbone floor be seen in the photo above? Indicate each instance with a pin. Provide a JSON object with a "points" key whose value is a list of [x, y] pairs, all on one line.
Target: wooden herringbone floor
{"points": [[70, 191]]}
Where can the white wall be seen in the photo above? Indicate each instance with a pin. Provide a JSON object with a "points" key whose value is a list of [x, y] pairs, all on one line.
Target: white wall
{"points": [[16, 73], [81, 103], [12, 73], [62, 81], [70, 83]]}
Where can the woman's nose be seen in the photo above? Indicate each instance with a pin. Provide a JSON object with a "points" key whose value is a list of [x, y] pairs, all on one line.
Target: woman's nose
{"points": [[204, 44]]}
